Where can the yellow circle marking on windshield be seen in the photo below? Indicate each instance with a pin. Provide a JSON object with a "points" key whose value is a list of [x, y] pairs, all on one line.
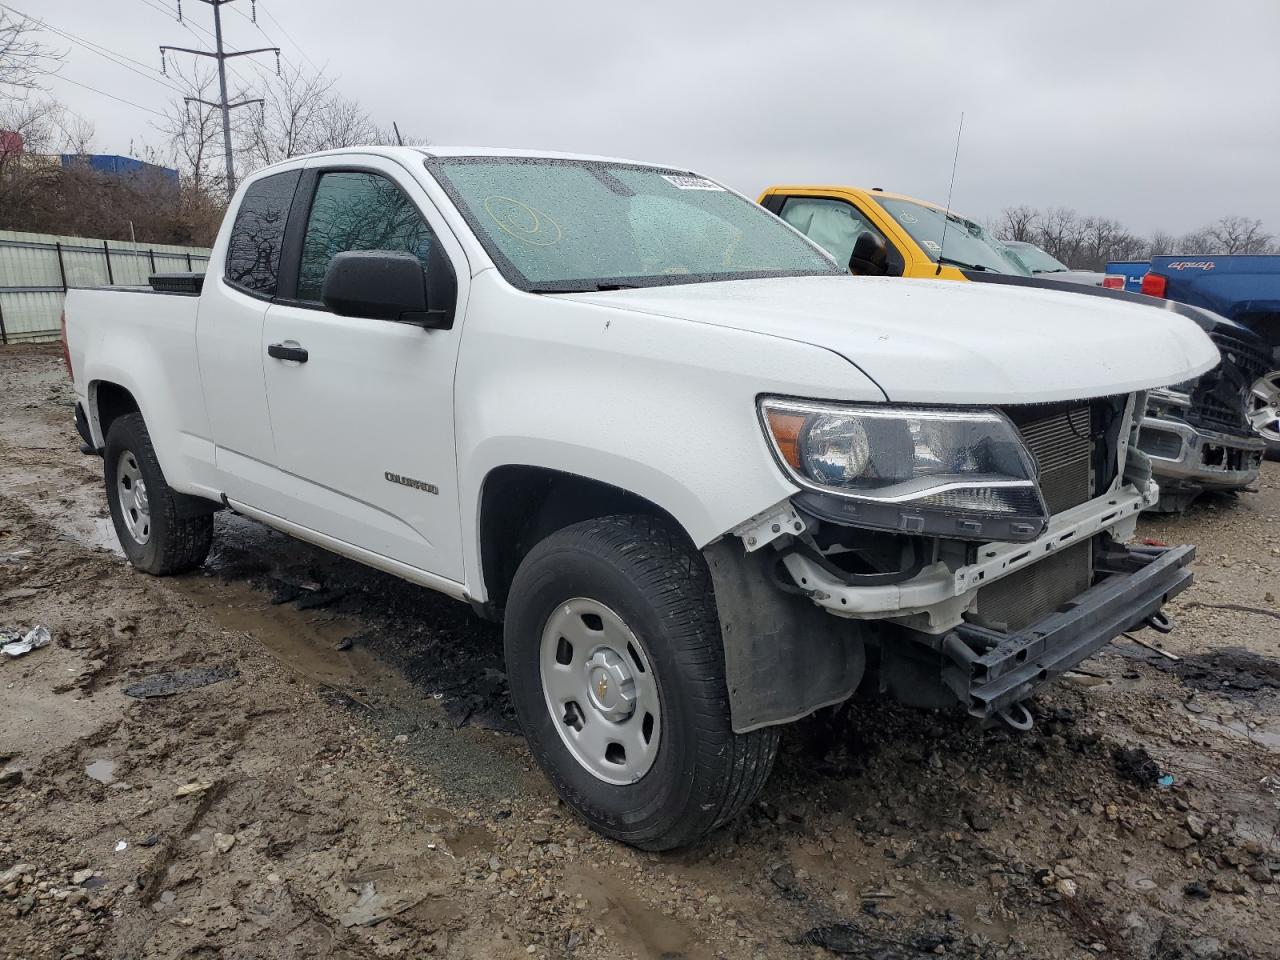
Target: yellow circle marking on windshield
{"points": [[527, 224]]}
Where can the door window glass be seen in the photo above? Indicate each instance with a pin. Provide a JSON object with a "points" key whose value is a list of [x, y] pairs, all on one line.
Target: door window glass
{"points": [[253, 253], [834, 225], [357, 211]]}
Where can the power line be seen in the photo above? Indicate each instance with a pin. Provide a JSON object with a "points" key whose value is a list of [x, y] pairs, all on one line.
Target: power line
{"points": [[288, 36], [119, 59], [112, 96]]}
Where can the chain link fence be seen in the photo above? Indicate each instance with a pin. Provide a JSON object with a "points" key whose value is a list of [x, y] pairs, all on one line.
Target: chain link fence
{"points": [[36, 270]]}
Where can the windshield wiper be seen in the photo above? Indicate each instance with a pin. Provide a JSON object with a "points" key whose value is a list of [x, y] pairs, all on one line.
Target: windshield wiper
{"points": [[962, 265], [588, 288]]}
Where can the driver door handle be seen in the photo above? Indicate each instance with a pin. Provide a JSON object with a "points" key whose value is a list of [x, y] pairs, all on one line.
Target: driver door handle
{"points": [[287, 351]]}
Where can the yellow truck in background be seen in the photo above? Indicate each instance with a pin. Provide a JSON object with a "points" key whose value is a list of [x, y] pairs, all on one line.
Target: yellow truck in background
{"points": [[887, 234]]}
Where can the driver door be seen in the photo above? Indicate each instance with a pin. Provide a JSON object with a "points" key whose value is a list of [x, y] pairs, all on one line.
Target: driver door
{"points": [[363, 426]]}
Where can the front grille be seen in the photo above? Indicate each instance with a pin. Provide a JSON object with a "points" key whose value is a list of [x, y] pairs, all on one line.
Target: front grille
{"points": [[1058, 436], [1219, 399], [1034, 592]]}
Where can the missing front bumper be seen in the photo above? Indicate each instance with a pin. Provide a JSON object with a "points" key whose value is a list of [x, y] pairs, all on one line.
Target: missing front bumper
{"points": [[991, 670]]}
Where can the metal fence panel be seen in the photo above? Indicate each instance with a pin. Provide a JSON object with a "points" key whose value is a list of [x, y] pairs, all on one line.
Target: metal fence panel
{"points": [[36, 269]]}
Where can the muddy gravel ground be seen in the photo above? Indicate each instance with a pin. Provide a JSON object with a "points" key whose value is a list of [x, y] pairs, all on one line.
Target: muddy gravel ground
{"points": [[332, 771]]}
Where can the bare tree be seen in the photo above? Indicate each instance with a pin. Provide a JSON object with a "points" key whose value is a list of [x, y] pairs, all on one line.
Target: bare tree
{"points": [[343, 123], [193, 130], [23, 58], [1160, 244], [1197, 242], [1060, 234], [1238, 235], [1098, 236], [1018, 223], [301, 113], [23, 172], [1127, 247], [77, 133]]}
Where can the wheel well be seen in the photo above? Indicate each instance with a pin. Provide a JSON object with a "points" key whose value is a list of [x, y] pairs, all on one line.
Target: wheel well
{"points": [[521, 505], [1267, 326], [112, 401]]}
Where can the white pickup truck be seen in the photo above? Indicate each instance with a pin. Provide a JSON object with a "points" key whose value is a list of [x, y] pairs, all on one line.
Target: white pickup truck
{"points": [[709, 481]]}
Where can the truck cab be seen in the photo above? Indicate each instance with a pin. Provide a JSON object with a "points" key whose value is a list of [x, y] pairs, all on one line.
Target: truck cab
{"points": [[707, 481], [921, 239]]}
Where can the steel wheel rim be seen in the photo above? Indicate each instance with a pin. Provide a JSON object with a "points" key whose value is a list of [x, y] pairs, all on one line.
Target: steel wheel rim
{"points": [[600, 691], [1264, 405], [135, 507]]}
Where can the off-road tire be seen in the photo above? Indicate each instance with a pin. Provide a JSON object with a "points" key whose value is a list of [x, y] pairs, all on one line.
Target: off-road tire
{"points": [[646, 571], [176, 544]]}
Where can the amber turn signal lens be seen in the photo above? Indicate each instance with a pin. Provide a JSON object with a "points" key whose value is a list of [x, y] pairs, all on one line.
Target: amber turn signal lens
{"points": [[786, 428]]}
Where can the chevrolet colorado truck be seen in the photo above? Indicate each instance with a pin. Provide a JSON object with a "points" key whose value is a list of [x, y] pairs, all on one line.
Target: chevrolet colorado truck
{"points": [[708, 481], [1199, 435]]}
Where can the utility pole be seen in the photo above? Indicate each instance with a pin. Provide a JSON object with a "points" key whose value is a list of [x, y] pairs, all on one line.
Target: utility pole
{"points": [[222, 57]]}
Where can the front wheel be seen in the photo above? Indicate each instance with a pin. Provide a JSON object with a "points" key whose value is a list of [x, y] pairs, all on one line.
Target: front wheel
{"points": [[143, 508], [616, 668], [1264, 411]]}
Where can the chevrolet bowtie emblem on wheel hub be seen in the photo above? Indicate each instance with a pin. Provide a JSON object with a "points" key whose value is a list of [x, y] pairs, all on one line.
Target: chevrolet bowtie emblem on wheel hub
{"points": [[611, 685]]}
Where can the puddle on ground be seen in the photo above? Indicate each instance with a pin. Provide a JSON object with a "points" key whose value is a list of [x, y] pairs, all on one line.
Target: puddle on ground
{"points": [[1264, 735], [462, 838], [97, 532], [104, 771], [73, 512], [651, 934], [306, 643]]}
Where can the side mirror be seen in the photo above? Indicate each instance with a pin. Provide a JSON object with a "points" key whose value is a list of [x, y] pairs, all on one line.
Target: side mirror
{"points": [[870, 257], [391, 285]]}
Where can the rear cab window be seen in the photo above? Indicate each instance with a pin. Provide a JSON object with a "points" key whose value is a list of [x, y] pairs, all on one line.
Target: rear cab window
{"points": [[257, 237]]}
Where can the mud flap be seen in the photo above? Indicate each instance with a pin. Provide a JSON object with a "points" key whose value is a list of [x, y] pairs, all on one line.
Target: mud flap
{"points": [[784, 656]]}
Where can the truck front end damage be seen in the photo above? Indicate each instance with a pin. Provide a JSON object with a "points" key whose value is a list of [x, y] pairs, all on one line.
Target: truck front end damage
{"points": [[941, 591], [1198, 435]]}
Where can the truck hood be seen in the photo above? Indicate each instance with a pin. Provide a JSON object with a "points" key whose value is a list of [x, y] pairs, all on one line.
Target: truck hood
{"points": [[934, 341]]}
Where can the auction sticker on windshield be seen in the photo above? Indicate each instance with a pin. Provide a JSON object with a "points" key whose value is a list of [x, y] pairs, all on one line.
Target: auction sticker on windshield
{"points": [[691, 183]]}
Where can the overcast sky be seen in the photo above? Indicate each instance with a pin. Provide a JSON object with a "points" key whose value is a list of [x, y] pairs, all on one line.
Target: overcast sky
{"points": [[1162, 115]]}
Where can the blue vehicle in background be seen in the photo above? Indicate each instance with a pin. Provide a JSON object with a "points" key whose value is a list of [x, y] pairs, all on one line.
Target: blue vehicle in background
{"points": [[1245, 290], [1126, 275], [1207, 434]]}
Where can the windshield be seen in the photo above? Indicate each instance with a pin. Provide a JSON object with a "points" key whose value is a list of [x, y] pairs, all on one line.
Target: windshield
{"points": [[969, 245], [1036, 259], [565, 226]]}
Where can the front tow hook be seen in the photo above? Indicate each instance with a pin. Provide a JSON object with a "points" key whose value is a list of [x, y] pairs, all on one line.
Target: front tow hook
{"points": [[1018, 717]]}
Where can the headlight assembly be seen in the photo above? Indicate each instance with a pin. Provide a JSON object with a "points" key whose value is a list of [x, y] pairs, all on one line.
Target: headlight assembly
{"points": [[934, 472]]}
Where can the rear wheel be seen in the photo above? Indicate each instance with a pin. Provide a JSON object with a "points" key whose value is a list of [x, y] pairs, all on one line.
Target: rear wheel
{"points": [[143, 507], [1264, 411], [616, 668]]}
